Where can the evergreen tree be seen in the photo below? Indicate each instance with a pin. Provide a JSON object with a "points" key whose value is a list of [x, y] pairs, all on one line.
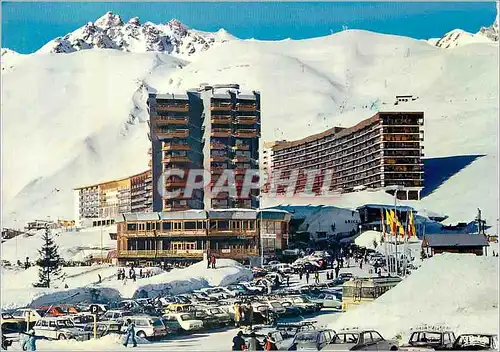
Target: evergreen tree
{"points": [[49, 261]]}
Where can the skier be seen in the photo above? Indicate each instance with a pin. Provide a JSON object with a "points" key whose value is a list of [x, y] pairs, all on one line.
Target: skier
{"points": [[130, 333], [238, 342]]}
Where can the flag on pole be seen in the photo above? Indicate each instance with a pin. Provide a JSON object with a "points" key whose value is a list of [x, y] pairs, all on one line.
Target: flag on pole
{"points": [[390, 221], [382, 222], [411, 226]]}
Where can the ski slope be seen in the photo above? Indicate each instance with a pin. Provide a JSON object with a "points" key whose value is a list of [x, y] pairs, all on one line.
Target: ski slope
{"points": [[459, 291], [95, 99]]}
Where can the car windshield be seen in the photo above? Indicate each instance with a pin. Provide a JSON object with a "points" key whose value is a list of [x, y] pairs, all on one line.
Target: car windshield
{"points": [[429, 337], [473, 340], [306, 337], [187, 317], [346, 338], [65, 324]]}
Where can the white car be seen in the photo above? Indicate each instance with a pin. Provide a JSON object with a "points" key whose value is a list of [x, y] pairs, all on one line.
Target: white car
{"points": [[147, 326], [216, 292], [60, 328], [187, 321], [284, 268], [116, 315], [26, 313]]}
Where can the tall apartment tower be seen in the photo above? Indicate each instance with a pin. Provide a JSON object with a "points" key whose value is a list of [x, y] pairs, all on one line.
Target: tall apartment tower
{"points": [[214, 128]]}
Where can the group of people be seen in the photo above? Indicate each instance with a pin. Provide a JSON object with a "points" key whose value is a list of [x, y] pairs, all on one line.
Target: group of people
{"points": [[243, 315], [211, 262], [253, 344]]}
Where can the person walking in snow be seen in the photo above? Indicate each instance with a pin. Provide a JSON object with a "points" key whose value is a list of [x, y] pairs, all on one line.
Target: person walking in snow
{"points": [[140, 273], [29, 343], [99, 278], [316, 277], [307, 276], [237, 315], [213, 261], [130, 333]]}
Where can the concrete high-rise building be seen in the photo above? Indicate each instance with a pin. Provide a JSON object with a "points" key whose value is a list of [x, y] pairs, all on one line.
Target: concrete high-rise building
{"points": [[384, 150], [213, 128]]}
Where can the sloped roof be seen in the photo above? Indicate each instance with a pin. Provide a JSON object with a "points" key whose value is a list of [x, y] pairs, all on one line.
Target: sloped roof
{"points": [[456, 240]]}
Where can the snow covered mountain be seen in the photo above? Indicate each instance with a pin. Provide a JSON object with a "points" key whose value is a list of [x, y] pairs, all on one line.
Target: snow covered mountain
{"points": [[459, 37], [110, 32], [83, 118]]}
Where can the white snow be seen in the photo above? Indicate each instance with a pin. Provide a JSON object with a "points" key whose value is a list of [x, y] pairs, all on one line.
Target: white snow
{"points": [[367, 239], [459, 291], [20, 292], [96, 98]]}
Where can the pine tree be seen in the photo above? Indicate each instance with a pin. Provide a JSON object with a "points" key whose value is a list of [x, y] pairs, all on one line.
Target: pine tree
{"points": [[49, 261]]}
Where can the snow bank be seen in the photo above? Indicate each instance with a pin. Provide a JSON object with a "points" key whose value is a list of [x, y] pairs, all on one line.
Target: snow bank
{"points": [[17, 289], [459, 291], [367, 239]]}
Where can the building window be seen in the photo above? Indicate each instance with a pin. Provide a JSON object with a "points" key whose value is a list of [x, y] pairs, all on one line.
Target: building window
{"points": [[223, 225], [167, 225]]}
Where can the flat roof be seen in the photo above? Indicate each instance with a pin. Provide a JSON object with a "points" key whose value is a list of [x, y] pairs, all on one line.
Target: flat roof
{"points": [[456, 240], [177, 96]]}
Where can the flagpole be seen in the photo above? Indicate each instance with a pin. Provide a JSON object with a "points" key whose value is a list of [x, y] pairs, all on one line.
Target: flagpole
{"points": [[396, 232]]}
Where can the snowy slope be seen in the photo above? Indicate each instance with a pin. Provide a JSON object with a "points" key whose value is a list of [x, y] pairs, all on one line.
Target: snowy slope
{"points": [[110, 32], [311, 84], [455, 290]]}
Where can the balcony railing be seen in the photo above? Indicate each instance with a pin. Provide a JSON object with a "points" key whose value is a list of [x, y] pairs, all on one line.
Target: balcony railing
{"points": [[172, 107], [175, 159], [221, 132], [246, 120], [234, 253], [175, 146], [181, 133], [165, 233], [241, 159], [232, 232], [175, 207], [221, 107], [218, 158], [175, 183], [247, 133], [222, 120], [171, 120], [218, 146], [241, 147], [246, 107], [186, 253]]}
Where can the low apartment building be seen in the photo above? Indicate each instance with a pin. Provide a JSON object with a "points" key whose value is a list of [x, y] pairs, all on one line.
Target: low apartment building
{"points": [[384, 150], [100, 204], [147, 238]]}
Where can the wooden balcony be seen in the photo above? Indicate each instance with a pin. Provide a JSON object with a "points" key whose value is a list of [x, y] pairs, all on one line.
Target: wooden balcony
{"points": [[247, 133], [218, 158], [165, 233], [217, 146], [240, 171], [232, 232], [175, 159], [246, 120], [241, 159], [241, 147], [175, 183], [221, 132], [246, 107], [175, 146], [171, 120], [222, 120], [217, 170], [182, 133], [186, 253], [172, 107], [221, 107], [234, 253], [175, 207]]}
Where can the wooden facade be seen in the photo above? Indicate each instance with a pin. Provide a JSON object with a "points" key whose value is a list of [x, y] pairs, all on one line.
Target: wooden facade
{"points": [[189, 235]]}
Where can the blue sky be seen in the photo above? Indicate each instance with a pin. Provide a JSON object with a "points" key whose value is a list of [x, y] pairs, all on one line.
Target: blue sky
{"points": [[27, 26]]}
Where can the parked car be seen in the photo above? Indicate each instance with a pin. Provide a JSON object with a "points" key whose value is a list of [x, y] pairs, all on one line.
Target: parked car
{"points": [[326, 300], [50, 311], [10, 326], [436, 340], [291, 309], [346, 276], [223, 318], [187, 321], [216, 292], [367, 340], [147, 327], [60, 328], [104, 328], [116, 315], [282, 342], [305, 303], [68, 309], [81, 320], [31, 316], [475, 342], [312, 340], [289, 330]]}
